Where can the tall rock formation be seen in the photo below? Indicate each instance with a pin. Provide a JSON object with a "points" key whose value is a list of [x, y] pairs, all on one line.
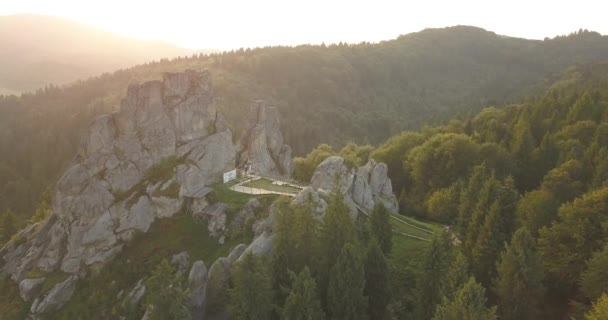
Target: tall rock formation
{"points": [[364, 186], [261, 147], [160, 151]]}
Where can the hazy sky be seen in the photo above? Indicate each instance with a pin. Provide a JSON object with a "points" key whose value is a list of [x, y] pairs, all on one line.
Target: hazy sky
{"points": [[226, 24]]}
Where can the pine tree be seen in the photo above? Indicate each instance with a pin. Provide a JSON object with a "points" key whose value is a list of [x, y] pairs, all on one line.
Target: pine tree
{"points": [[251, 297], [345, 299], [494, 232], [283, 259], [165, 293], [303, 302], [457, 276], [599, 311], [435, 264], [469, 198], [519, 284], [338, 230], [377, 282], [485, 197], [469, 303], [381, 227]]}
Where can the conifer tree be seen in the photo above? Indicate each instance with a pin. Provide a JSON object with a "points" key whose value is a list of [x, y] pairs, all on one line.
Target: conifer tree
{"points": [[345, 298], [519, 284], [165, 293], [377, 282], [458, 274], [599, 311], [469, 303], [469, 198], [251, 297], [338, 230], [303, 302], [436, 263], [381, 227]]}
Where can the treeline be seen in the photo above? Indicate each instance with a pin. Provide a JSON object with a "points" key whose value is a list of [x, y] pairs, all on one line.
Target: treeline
{"points": [[524, 189], [336, 268], [332, 94]]}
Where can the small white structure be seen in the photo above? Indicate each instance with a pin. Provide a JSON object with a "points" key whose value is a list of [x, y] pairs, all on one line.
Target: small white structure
{"points": [[229, 176]]}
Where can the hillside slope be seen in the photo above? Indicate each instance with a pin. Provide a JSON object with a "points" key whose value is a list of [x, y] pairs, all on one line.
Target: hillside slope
{"points": [[325, 94], [42, 50]]}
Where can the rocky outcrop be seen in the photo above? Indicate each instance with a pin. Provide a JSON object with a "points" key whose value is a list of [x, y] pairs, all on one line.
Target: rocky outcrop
{"points": [[197, 282], [215, 216], [362, 187], [136, 294], [236, 252], [181, 261], [56, 298], [30, 288], [261, 148], [246, 213], [160, 151]]}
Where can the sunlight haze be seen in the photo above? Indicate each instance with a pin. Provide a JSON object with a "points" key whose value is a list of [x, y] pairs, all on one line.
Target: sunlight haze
{"points": [[235, 24]]}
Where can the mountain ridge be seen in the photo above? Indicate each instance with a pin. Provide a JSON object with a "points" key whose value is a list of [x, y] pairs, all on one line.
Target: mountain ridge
{"points": [[59, 51]]}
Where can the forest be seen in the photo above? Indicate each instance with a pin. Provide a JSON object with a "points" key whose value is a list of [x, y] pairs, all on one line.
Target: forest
{"points": [[523, 188], [334, 94], [520, 187]]}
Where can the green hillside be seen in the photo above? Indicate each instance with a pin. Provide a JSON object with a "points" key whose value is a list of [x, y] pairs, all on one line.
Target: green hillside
{"points": [[333, 94]]}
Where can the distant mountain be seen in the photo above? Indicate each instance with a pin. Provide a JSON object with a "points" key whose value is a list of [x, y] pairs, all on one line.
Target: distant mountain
{"points": [[40, 50]]}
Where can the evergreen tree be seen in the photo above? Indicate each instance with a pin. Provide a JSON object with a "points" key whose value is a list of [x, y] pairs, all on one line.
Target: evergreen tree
{"points": [[303, 302], [469, 303], [377, 282], [519, 284], [436, 263], [283, 259], [251, 297], [381, 227], [345, 298], [166, 295], [485, 197], [599, 311], [494, 232], [338, 230], [469, 198], [457, 276]]}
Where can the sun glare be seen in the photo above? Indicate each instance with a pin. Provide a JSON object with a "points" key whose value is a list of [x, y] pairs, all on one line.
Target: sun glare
{"points": [[235, 24]]}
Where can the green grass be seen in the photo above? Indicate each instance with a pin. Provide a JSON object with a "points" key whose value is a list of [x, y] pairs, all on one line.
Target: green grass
{"points": [[160, 172], [51, 278], [267, 184], [397, 225], [408, 252]]}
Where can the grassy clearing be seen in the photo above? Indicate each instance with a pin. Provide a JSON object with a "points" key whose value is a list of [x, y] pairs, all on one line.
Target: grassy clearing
{"points": [[51, 278], [267, 184], [399, 226]]}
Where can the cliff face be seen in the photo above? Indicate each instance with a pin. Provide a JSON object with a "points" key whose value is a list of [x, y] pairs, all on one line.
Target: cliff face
{"points": [[159, 152], [261, 147]]}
